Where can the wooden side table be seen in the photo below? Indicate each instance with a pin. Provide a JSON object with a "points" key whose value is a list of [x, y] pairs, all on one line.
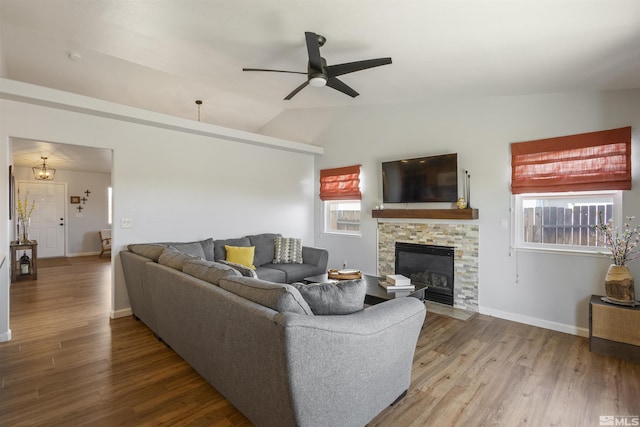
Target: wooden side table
{"points": [[16, 247], [614, 330]]}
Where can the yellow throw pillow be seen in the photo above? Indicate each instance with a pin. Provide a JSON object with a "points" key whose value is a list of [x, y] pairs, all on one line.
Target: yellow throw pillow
{"points": [[242, 255]]}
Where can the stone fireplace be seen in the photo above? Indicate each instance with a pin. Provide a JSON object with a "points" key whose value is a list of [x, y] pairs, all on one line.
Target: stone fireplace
{"points": [[462, 239]]}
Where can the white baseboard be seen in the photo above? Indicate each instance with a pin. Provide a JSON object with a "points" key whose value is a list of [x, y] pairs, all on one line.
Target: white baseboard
{"points": [[121, 313], [5, 336], [533, 321]]}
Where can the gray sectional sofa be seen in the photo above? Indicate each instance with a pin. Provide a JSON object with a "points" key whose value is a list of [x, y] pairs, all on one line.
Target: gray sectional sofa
{"points": [[261, 346]]}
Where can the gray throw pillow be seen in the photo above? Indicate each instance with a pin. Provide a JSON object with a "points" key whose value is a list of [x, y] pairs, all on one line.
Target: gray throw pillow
{"points": [[242, 269], [171, 257], [344, 297], [277, 296], [147, 250], [209, 271]]}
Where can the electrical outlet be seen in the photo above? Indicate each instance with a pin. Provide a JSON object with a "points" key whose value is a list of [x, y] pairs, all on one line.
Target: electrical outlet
{"points": [[126, 223]]}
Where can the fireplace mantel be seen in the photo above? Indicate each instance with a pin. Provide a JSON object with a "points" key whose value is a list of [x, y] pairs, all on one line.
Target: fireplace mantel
{"points": [[426, 213]]}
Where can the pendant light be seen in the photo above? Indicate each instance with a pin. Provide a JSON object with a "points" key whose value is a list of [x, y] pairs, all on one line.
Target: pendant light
{"points": [[43, 172]]}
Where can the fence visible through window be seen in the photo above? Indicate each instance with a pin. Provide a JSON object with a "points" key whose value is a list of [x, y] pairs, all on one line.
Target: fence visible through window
{"points": [[572, 225], [342, 217]]}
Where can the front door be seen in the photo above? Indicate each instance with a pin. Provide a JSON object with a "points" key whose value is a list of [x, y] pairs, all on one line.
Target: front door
{"points": [[48, 217]]}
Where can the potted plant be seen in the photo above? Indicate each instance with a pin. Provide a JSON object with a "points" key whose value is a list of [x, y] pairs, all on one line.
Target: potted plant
{"points": [[623, 247]]}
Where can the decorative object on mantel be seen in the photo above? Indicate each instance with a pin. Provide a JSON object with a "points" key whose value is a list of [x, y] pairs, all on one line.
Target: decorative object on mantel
{"points": [[199, 104], [623, 245], [25, 209], [461, 203], [43, 172], [426, 213], [467, 180], [344, 274]]}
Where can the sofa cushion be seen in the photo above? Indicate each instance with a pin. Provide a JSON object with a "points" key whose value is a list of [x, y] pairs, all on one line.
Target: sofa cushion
{"points": [[271, 274], [287, 250], [219, 251], [202, 248], [171, 257], [209, 271], [241, 255], [296, 272], [147, 250], [276, 296], [243, 270], [264, 247], [344, 297]]}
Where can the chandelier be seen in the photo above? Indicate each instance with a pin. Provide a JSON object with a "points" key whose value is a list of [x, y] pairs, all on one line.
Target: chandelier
{"points": [[43, 172]]}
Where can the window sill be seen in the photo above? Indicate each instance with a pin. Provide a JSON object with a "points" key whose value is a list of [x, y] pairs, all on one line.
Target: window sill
{"points": [[562, 251]]}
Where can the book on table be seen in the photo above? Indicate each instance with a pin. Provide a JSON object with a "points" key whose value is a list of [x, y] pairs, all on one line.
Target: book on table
{"points": [[397, 282]]}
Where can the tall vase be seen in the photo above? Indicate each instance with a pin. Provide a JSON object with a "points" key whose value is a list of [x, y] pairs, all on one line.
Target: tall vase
{"points": [[618, 284], [23, 230]]}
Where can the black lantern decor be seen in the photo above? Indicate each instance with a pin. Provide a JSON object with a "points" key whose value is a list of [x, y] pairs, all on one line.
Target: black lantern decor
{"points": [[25, 264]]}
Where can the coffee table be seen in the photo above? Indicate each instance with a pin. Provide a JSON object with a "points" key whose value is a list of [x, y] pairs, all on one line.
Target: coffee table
{"points": [[375, 293]]}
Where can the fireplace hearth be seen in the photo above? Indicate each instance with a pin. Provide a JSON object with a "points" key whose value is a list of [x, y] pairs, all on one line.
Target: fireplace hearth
{"points": [[428, 265]]}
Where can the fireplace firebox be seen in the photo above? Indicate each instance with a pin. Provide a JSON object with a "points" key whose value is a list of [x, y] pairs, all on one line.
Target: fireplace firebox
{"points": [[428, 265]]}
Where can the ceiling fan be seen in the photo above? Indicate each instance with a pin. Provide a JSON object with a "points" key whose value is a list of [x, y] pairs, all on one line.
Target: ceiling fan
{"points": [[320, 74]]}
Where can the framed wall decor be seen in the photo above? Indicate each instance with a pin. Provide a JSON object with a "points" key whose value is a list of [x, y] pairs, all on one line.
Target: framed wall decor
{"points": [[75, 200], [12, 186]]}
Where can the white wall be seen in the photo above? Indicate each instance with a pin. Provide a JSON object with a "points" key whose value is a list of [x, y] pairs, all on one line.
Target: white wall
{"points": [[550, 290], [82, 227], [174, 185]]}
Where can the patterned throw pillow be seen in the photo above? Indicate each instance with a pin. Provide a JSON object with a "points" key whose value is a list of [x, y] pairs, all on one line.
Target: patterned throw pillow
{"points": [[287, 250]]}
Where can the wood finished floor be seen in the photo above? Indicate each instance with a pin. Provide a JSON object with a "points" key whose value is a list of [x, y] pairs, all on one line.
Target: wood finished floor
{"points": [[69, 364]]}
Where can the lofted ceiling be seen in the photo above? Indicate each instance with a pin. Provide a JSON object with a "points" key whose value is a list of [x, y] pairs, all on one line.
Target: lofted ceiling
{"points": [[162, 55]]}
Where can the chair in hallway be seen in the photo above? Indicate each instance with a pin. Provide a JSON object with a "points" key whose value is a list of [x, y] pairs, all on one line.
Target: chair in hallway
{"points": [[105, 240]]}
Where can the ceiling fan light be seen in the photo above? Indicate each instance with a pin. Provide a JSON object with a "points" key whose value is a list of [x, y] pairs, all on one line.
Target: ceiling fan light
{"points": [[318, 81]]}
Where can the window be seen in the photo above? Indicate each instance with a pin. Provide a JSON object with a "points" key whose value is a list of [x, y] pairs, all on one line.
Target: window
{"points": [[340, 193], [564, 221], [342, 216], [564, 186]]}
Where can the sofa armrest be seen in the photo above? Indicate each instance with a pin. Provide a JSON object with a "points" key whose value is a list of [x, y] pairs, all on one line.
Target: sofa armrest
{"points": [[315, 256], [364, 357], [135, 275]]}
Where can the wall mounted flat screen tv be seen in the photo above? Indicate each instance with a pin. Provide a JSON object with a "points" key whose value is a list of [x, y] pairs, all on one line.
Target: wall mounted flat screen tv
{"points": [[425, 179]]}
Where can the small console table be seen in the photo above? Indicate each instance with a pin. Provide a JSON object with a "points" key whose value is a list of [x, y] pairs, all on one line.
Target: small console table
{"points": [[614, 330], [16, 248]]}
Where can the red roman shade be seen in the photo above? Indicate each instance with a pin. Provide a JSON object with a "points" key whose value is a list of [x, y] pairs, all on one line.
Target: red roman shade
{"points": [[585, 162], [340, 183]]}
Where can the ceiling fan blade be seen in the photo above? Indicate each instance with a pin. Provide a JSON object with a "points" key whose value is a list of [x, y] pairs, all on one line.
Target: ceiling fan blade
{"points": [[350, 67], [274, 71], [341, 87], [313, 49], [296, 90]]}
